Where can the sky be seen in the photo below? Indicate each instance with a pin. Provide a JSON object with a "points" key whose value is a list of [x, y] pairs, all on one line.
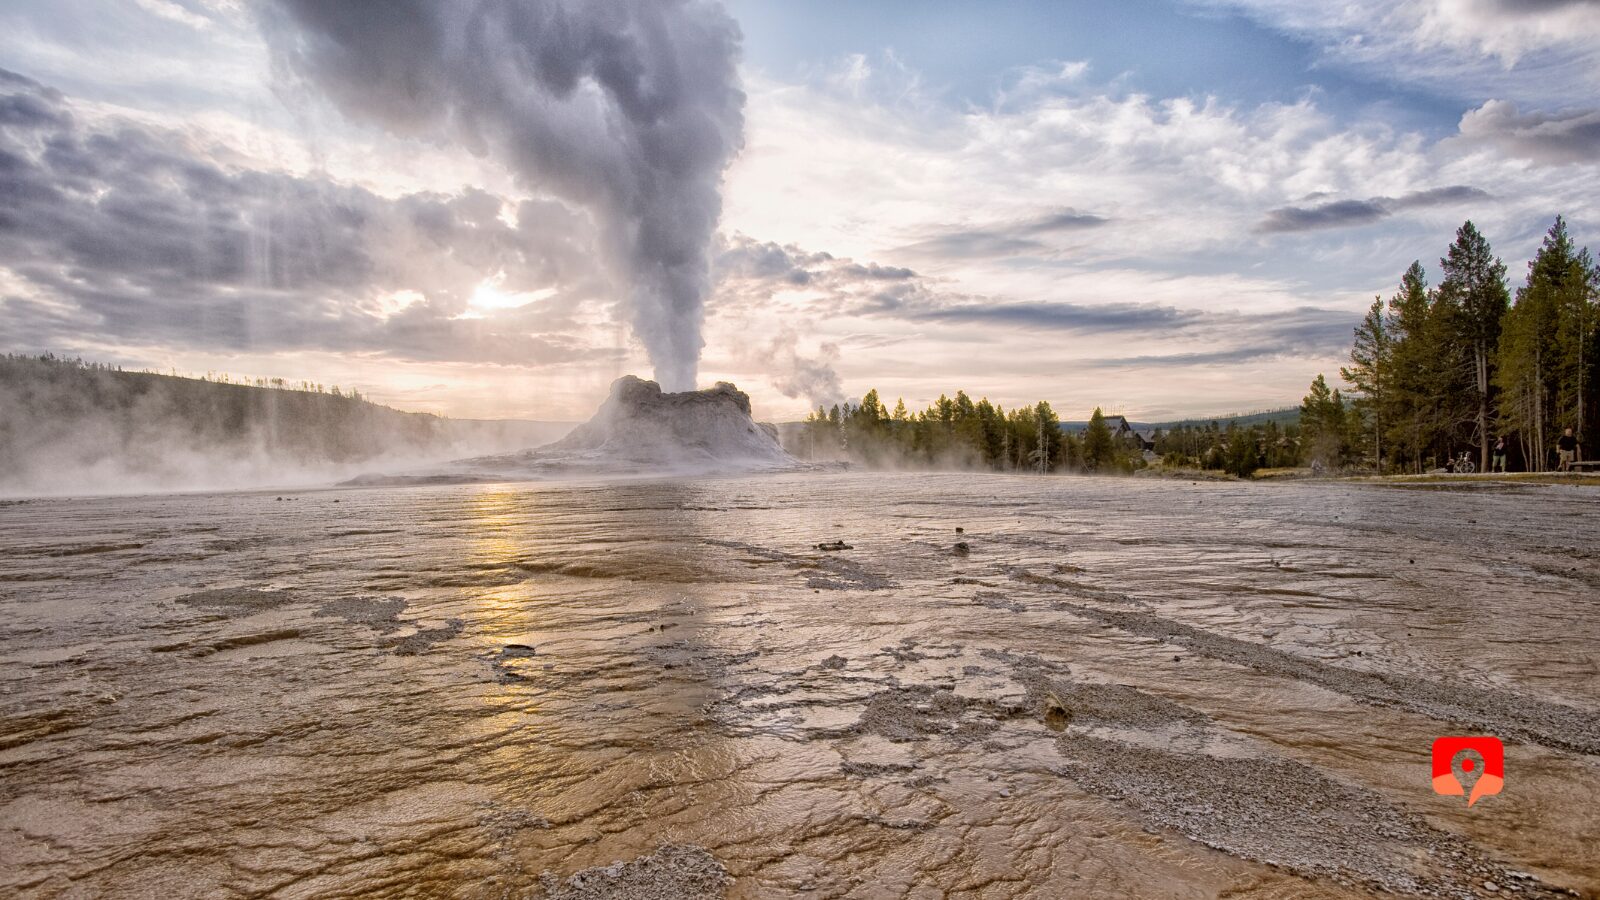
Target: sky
{"points": [[493, 209]]}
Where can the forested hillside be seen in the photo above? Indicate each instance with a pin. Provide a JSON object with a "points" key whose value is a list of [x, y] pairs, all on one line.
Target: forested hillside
{"points": [[70, 426]]}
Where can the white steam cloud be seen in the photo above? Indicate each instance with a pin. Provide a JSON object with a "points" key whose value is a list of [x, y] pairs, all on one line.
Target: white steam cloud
{"points": [[629, 108], [796, 375]]}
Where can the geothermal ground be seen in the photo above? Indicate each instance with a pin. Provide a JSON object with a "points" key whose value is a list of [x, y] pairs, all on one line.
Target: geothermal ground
{"points": [[1118, 688]]}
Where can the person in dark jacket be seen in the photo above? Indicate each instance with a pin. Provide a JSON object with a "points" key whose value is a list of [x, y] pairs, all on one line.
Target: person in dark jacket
{"points": [[1567, 450], [1497, 463]]}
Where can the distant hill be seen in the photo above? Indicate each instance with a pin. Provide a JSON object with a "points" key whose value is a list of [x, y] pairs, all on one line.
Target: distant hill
{"points": [[1286, 416], [71, 427]]}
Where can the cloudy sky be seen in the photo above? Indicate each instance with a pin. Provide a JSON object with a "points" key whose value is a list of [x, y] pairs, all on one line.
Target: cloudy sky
{"points": [[495, 208]]}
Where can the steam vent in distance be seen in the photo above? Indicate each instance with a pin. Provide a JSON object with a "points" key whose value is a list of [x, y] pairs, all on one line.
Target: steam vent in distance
{"points": [[638, 430]]}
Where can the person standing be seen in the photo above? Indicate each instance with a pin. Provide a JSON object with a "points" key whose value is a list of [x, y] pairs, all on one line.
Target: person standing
{"points": [[1567, 450], [1498, 463]]}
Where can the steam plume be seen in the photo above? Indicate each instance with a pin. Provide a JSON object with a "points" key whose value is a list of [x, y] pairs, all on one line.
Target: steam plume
{"points": [[796, 375], [630, 108]]}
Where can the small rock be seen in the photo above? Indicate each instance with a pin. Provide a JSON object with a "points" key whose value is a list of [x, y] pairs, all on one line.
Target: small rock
{"points": [[960, 530], [1490, 886], [516, 651], [962, 548], [834, 662], [834, 545]]}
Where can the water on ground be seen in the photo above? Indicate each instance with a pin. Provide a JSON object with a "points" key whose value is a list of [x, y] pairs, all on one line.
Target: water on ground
{"points": [[1005, 687]]}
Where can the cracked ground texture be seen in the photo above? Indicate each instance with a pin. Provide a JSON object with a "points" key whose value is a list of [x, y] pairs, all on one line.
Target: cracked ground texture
{"points": [[1120, 688]]}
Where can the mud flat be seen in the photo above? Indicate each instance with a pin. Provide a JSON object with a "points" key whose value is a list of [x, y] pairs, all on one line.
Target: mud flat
{"points": [[1119, 688]]}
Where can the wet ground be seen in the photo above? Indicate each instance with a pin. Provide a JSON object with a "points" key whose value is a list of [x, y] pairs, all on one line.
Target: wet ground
{"points": [[1118, 688]]}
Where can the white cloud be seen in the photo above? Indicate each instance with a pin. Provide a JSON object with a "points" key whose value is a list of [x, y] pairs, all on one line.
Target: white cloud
{"points": [[1539, 51], [1180, 190], [1556, 138], [1070, 239]]}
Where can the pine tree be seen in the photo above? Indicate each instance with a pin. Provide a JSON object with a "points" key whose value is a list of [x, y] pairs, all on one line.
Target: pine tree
{"points": [[1573, 369], [1370, 359], [1527, 342], [1242, 457], [1412, 407], [1543, 360], [1322, 421], [1048, 431], [1098, 452], [1475, 285]]}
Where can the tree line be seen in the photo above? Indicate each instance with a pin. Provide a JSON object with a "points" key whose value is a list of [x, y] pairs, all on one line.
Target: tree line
{"points": [[1439, 370], [282, 384], [957, 432]]}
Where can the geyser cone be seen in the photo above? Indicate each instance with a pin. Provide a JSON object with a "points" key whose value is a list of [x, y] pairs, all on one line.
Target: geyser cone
{"points": [[640, 422], [639, 430]]}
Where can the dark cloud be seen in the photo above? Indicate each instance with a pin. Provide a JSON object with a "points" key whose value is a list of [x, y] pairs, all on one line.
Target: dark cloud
{"points": [[1538, 7], [1338, 214], [875, 272], [1066, 220], [1571, 136], [1442, 196], [1186, 360], [630, 108], [754, 269], [751, 271], [741, 257], [121, 234], [1022, 238], [26, 103], [1302, 330], [1107, 317], [1347, 213], [1307, 331], [974, 244]]}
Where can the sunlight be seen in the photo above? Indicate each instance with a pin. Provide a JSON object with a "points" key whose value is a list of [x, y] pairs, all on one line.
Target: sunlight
{"points": [[397, 301], [491, 296]]}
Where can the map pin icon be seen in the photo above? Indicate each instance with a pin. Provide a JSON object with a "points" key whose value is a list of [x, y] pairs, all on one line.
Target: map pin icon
{"points": [[1467, 767]]}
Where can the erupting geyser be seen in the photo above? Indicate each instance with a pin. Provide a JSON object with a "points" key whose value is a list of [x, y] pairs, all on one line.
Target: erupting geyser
{"points": [[639, 423], [629, 109], [639, 430]]}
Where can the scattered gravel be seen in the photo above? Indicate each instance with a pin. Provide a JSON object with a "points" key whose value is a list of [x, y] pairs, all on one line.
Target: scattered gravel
{"points": [[1502, 713], [237, 601], [673, 872], [413, 644], [1284, 813]]}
